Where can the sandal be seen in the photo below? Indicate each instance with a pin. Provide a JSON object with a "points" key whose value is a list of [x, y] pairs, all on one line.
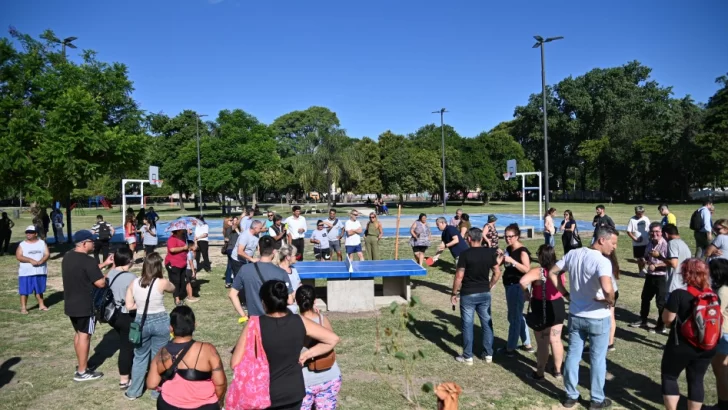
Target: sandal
{"points": [[557, 375], [124, 386]]}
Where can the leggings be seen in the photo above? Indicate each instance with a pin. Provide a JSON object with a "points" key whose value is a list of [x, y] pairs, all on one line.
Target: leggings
{"points": [[177, 277], [148, 249], [675, 359], [204, 254], [324, 396], [126, 348]]}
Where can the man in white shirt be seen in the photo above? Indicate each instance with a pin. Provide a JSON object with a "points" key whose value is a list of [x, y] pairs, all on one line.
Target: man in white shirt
{"points": [[637, 231], [592, 294], [201, 242], [335, 230], [296, 228], [32, 255], [352, 227]]}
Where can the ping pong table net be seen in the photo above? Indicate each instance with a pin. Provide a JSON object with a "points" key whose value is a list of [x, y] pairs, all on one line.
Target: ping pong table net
{"points": [[347, 261]]}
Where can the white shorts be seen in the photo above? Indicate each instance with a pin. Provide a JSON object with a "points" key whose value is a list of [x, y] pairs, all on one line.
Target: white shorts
{"points": [[130, 240]]}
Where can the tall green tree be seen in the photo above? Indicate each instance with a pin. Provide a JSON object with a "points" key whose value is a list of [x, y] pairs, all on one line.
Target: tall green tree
{"points": [[62, 123], [371, 166]]}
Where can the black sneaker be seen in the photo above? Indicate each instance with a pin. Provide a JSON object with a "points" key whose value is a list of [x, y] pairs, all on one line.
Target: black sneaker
{"points": [[87, 375], [534, 376], [506, 352], [603, 405], [569, 403], [639, 324]]}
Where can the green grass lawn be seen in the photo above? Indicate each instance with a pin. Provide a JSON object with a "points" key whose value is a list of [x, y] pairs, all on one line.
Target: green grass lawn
{"points": [[37, 357]]}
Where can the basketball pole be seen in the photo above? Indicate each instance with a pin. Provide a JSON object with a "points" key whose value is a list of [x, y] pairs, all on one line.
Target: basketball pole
{"points": [[396, 233]]}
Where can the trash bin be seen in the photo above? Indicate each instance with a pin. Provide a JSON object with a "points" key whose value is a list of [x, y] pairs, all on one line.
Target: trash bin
{"points": [[16, 213]]}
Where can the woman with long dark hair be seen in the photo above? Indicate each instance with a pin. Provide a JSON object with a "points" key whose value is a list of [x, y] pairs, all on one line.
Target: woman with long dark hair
{"points": [[283, 335], [568, 230], [130, 232], [147, 294], [120, 278], [233, 266], [420, 238], [719, 275], [149, 235], [679, 354], [322, 388], [547, 305]]}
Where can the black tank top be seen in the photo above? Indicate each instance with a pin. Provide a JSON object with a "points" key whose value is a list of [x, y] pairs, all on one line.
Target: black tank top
{"points": [[283, 340]]}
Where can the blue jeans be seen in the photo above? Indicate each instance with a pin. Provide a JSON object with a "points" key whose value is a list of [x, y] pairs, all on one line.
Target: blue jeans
{"points": [[469, 304], [155, 335], [549, 239], [229, 271], [516, 321], [597, 331]]}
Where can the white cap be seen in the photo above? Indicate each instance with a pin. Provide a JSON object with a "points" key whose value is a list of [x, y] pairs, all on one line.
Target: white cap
{"points": [[31, 229]]}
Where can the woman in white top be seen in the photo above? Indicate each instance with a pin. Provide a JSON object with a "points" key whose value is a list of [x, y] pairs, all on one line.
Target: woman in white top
{"points": [[549, 230], [201, 241], [285, 260], [148, 292], [149, 235]]}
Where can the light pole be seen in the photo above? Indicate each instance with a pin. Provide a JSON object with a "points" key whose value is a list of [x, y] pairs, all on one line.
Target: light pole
{"points": [[199, 173], [442, 112], [540, 43], [67, 42]]}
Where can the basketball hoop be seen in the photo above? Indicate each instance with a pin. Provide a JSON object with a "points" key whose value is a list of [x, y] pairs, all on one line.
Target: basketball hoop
{"points": [[506, 176], [157, 182]]}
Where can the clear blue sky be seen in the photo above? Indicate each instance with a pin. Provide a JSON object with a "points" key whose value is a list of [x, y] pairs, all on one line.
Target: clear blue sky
{"points": [[381, 64]]}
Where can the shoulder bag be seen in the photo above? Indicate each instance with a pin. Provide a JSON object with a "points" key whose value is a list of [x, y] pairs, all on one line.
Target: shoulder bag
{"points": [[135, 329], [534, 320], [575, 241], [250, 387], [323, 362]]}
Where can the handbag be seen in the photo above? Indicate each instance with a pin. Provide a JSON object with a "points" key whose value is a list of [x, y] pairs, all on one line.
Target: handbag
{"points": [[323, 362], [533, 319], [250, 387], [135, 329], [575, 241]]}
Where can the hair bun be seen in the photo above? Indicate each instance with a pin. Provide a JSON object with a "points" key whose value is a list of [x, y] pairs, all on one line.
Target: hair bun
{"points": [[280, 289]]}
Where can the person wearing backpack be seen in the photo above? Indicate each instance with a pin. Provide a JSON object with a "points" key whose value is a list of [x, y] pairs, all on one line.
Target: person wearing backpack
{"points": [[119, 279], [700, 223], [687, 348], [719, 276], [104, 231]]}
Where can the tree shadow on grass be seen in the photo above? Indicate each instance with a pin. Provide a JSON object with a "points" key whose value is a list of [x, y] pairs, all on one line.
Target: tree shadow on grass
{"points": [[6, 375], [437, 331], [109, 344]]}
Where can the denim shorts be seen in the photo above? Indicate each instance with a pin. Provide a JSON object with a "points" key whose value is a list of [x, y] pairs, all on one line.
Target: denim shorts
{"points": [[353, 249], [723, 345]]}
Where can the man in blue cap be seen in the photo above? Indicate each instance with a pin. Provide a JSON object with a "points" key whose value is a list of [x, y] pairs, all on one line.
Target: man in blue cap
{"points": [[81, 275]]}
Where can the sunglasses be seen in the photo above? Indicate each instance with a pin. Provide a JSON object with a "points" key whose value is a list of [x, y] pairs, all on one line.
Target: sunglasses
{"points": [[372, 217]]}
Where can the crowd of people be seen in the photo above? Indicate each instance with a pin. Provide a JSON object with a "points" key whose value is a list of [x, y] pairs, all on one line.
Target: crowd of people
{"points": [[267, 294]]}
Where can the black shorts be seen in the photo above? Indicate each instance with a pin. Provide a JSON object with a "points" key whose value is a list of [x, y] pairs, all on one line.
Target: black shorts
{"points": [[322, 253], [420, 249], [84, 324], [555, 310], [188, 276], [639, 251]]}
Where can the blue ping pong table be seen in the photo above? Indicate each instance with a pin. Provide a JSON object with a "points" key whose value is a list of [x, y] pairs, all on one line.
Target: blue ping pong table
{"points": [[350, 285]]}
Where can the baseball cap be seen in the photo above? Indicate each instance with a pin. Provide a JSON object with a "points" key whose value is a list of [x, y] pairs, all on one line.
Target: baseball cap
{"points": [[492, 218], [31, 229], [83, 235]]}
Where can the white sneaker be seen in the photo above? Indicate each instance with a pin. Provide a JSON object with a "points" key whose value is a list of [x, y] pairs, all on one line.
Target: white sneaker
{"points": [[489, 359], [461, 359]]}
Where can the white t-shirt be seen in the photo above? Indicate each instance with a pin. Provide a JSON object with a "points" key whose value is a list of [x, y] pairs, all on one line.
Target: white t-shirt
{"points": [[585, 266], [322, 236], [355, 239], [335, 231], [294, 225], [638, 228], [34, 251], [201, 230]]}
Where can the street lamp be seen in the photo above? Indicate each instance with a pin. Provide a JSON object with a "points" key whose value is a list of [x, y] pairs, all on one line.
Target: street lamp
{"points": [[540, 43], [199, 173], [67, 42], [442, 112]]}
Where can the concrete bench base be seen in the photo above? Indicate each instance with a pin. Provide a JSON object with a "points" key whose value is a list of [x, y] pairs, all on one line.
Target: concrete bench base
{"points": [[357, 295]]}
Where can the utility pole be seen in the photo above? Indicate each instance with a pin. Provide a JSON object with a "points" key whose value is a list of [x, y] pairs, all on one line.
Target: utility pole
{"points": [[442, 112], [540, 42], [199, 172]]}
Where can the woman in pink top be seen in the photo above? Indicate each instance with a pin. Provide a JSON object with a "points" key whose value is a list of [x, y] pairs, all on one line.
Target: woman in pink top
{"points": [[549, 333], [176, 263], [198, 381]]}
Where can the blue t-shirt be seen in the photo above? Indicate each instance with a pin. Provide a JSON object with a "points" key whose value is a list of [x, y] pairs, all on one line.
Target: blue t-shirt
{"points": [[452, 232]]}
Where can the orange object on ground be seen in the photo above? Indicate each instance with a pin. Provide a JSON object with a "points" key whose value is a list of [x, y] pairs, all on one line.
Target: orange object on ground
{"points": [[447, 395]]}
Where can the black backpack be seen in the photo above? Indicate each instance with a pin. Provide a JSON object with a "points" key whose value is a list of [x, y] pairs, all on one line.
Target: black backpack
{"points": [[104, 305], [104, 231], [696, 220]]}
